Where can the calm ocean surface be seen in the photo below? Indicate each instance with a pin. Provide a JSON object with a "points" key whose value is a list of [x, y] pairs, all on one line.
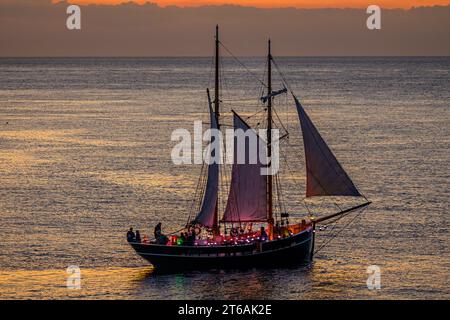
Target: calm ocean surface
{"points": [[85, 153]]}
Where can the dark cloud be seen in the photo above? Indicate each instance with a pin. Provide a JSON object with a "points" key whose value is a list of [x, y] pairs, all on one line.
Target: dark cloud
{"points": [[38, 28]]}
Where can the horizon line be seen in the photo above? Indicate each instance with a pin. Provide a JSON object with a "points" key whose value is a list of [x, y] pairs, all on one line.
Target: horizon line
{"points": [[154, 4], [239, 56]]}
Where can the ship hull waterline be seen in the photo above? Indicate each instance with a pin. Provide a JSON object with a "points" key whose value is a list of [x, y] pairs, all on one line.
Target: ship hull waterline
{"points": [[294, 250]]}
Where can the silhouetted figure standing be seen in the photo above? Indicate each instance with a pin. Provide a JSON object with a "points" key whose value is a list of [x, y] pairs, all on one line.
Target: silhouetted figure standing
{"points": [[263, 236], [157, 232], [130, 235], [138, 236], [191, 238]]}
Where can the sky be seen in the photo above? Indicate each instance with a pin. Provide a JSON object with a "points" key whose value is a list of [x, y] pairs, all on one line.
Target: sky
{"points": [[284, 3], [38, 28]]}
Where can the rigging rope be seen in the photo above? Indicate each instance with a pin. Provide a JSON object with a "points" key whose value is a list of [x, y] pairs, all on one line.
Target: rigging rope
{"points": [[196, 194], [242, 64], [342, 229]]}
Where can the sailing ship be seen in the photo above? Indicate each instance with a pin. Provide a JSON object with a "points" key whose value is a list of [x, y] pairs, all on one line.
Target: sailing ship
{"points": [[231, 241]]}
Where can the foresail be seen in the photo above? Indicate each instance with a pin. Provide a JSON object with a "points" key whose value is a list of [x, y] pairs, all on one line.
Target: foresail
{"points": [[324, 175], [206, 216], [247, 200]]}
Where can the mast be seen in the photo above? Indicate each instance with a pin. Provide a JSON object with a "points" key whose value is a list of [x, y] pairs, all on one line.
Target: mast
{"points": [[269, 140], [216, 229], [216, 85]]}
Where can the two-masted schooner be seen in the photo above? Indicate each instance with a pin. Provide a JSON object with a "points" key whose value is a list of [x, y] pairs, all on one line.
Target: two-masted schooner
{"points": [[228, 239]]}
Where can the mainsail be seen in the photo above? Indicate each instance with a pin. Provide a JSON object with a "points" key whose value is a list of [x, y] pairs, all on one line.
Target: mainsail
{"points": [[206, 216], [324, 175], [247, 199]]}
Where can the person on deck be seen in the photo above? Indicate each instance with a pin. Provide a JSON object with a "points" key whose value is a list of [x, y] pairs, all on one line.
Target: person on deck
{"points": [[263, 235], [157, 232], [159, 237], [191, 238], [138, 236], [130, 235]]}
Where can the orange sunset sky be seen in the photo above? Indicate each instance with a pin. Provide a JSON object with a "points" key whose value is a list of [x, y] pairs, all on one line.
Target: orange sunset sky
{"points": [[283, 3], [144, 31]]}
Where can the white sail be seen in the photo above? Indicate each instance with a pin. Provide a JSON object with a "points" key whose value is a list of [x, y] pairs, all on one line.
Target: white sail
{"points": [[324, 175], [206, 216], [247, 199]]}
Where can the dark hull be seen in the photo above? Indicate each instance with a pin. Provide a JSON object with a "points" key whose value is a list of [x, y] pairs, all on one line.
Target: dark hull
{"points": [[296, 249]]}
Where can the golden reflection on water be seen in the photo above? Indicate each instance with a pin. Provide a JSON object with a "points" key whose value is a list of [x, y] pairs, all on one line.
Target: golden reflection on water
{"points": [[63, 136], [17, 158], [155, 181], [51, 284], [325, 279]]}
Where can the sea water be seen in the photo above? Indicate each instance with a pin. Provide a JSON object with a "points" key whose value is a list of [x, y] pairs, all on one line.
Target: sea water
{"points": [[85, 153]]}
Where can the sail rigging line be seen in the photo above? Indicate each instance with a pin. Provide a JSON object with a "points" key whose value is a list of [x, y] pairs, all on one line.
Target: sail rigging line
{"points": [[202, 189], [224, 183], [263, 87], [276, 201], [254, 114], [247, 91], [222, 124], [211, 68], [282, 194], [332, 236], [286, 111], [196, 194], [342, 229], [281, 123], [224, 188], [291, 172], [281, 74], [242, 64], [280, 197], [338, 218], [239, 100]]}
